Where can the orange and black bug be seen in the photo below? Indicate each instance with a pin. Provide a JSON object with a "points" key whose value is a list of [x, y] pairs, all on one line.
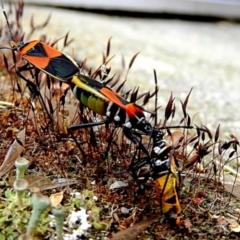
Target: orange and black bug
{"points": [[43, 57], [46, 58], [103, 100], [126, 114]]}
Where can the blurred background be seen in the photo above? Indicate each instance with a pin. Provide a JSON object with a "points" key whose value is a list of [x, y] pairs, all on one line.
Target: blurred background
{"points": [[191, 44], [217, 8]]}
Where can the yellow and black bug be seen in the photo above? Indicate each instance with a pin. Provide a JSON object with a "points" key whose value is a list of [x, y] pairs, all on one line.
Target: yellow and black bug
{"points": [[159, 165], [166, 188], [161, 168]]}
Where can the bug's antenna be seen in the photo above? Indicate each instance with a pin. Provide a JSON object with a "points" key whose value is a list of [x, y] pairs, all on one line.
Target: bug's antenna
{"points": [[5, 15], [156, 98]]}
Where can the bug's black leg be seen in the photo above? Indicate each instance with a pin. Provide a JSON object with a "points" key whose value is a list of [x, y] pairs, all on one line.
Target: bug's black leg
{"points": [[74, 127], [34, 89], [78, 145], [109, 143], [130, 135]]}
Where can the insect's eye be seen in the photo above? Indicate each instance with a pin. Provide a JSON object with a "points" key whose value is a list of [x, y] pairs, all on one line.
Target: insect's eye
{"points": [[21, 44]]}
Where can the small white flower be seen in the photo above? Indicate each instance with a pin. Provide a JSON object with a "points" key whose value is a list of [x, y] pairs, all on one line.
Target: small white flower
{"points": [[76, 195], [73, 219], [51, 224], [81, 230], [83, 214], [78, 218], [85, 226], [95, 198], [69, 237], [77, 233]]}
